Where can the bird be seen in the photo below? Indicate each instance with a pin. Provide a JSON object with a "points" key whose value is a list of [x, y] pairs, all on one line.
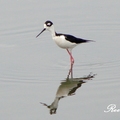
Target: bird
{"points": [[65, 41]]}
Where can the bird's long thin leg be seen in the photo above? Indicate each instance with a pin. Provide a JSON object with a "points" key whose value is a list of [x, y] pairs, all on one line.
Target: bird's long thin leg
{"points": [[72, 62]]}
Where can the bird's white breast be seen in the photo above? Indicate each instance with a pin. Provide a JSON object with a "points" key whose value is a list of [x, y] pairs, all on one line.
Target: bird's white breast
{"points": [[63, 43]]}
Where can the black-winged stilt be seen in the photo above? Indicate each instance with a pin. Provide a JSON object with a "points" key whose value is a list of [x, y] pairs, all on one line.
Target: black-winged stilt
{"points": [[64, 41]]}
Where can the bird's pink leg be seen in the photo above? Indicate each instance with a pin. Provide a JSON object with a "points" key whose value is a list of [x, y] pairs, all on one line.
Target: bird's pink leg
{"points": [[72, 62]]}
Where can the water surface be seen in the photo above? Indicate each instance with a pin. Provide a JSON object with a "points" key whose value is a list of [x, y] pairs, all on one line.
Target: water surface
{"points": [[31, 70]]}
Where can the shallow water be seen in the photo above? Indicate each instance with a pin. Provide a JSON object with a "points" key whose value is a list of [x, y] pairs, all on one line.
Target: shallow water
{"points": [[32, 69]]}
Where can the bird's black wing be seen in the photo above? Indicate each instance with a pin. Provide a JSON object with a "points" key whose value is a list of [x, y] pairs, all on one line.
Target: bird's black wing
{"points": [[73, 39]]}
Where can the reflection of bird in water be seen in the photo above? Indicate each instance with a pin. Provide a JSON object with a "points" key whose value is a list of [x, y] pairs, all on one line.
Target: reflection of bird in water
{"points": [[67, 88], [64, 41]]}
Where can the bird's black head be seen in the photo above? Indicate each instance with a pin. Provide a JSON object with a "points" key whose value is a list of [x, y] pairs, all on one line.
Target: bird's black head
{"points": [[47, 26], [48, 23]]}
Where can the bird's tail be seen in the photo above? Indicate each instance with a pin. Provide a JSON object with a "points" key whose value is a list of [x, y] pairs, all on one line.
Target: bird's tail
{"points": [[84, 40], [89, 41]]}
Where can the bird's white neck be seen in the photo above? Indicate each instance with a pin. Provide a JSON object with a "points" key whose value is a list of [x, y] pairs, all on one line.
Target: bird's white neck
{"points": [[52, 31]]}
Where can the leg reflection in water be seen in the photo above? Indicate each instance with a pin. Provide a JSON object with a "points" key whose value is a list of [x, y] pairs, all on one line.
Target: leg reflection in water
{"points": [[67, 87]]}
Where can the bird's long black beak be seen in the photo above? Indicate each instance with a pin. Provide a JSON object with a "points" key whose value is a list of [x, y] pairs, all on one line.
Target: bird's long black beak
{"points": [[41, 32]]}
